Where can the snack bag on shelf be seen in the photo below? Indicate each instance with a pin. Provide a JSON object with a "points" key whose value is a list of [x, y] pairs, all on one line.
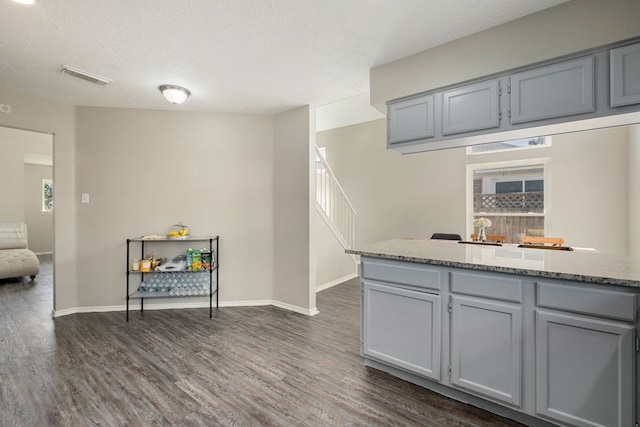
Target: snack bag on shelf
{"points": [[206, 259], [196, 259]]}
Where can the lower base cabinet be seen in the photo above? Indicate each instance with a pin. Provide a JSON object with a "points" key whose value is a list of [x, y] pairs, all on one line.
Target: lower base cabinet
{"points": [[584, 370], [545, 353], [402, 327], [486, 348]]}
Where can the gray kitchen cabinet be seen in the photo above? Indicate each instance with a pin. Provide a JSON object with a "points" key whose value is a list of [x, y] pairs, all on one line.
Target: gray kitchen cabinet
{"points": [[471, 108], [402, 327], [562, 89], [584, 370], [624, 65], [486, 348], [586, 85], [411, 119], [541, 351]]}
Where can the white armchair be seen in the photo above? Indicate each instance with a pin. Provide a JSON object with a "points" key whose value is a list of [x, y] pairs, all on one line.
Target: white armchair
{"points": [[15, 259]]}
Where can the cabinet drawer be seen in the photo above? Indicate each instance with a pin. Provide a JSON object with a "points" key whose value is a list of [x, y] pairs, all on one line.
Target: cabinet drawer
{"points": [[487, 285], [403, 273], [580, 299]]}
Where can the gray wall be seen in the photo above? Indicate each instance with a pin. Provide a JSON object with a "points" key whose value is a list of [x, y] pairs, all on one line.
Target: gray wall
{"points": [[396, 196], [419, 194], [14, 145], [145, 170], [294, 272], [40, 224], [582, 24], [50, 117], [11, 179]]}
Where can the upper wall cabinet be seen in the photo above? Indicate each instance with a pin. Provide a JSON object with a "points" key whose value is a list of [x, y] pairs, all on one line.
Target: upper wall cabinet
{"points": [[556, 90], [587, 85], [472, 107], [411, 119], [625, 75]]}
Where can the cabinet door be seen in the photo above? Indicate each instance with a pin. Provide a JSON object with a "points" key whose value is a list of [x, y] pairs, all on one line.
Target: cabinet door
{"points": [[471, 108], [402, 327], [486, 348], [625, 75], [551, 91], [584, 370], [410, 120]]}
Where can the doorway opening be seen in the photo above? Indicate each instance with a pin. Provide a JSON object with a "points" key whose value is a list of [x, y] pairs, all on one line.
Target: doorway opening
{"points": [[27, 193]]}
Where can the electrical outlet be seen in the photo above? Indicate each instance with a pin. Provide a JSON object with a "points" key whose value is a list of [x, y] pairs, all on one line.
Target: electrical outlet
{"points": [[85, 198]]}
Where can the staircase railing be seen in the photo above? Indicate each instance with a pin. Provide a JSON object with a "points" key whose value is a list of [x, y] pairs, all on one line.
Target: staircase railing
{"points": [[333, 204]]}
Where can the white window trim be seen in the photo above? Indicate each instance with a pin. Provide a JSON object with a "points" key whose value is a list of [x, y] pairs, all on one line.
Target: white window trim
{"points": [[547, 144], [472, 167]]}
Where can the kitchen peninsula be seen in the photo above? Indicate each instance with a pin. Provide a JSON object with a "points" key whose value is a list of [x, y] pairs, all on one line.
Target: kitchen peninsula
{"points": [[541, 336]]}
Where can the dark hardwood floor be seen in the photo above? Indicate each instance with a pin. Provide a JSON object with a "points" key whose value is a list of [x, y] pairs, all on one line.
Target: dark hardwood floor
{"points": [[248, 366]]}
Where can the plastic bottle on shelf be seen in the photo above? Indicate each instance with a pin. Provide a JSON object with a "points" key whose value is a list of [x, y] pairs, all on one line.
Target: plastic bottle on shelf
{"points": [[189, 258]]}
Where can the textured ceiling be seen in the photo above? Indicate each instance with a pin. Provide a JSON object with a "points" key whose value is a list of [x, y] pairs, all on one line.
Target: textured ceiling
{"points": [[246, 56]]}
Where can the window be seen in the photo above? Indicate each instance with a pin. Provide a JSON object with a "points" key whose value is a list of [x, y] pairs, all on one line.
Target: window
{"points": [[511, 194], [47, 195], [515, 144]]}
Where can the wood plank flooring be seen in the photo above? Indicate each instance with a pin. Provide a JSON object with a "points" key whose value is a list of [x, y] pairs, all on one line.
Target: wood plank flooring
{"points": [[248, 366]]}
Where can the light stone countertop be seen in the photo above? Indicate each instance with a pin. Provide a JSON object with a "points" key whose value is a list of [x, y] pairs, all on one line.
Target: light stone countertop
{"points": [[590, 267]]}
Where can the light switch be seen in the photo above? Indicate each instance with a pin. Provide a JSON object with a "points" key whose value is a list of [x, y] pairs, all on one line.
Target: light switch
{"points": [[85, 198]]}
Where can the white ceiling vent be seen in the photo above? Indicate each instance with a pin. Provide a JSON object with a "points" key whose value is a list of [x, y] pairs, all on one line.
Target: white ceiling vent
{"points": [[92, 78]]}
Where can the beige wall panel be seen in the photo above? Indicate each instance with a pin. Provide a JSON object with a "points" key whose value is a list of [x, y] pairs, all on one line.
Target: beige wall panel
{"points": [[11, 179], [294, 275], [589, 189], [396, 196], [145, 170], [40, 223], [419, 194]]}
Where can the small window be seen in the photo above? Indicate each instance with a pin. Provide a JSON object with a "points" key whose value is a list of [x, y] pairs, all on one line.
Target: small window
{"points": [[509, 187], [534, 185], [47, 195], [515, 144], [511, 194]]}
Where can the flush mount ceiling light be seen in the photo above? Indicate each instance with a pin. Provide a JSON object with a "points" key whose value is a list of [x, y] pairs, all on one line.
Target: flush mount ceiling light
{"points": [[175, 94], [25, 1]]}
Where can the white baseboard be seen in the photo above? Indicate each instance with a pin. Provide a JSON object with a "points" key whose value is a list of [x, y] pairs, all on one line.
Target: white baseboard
{"points": [[336, 282], [185, 304], [307, 312]]}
